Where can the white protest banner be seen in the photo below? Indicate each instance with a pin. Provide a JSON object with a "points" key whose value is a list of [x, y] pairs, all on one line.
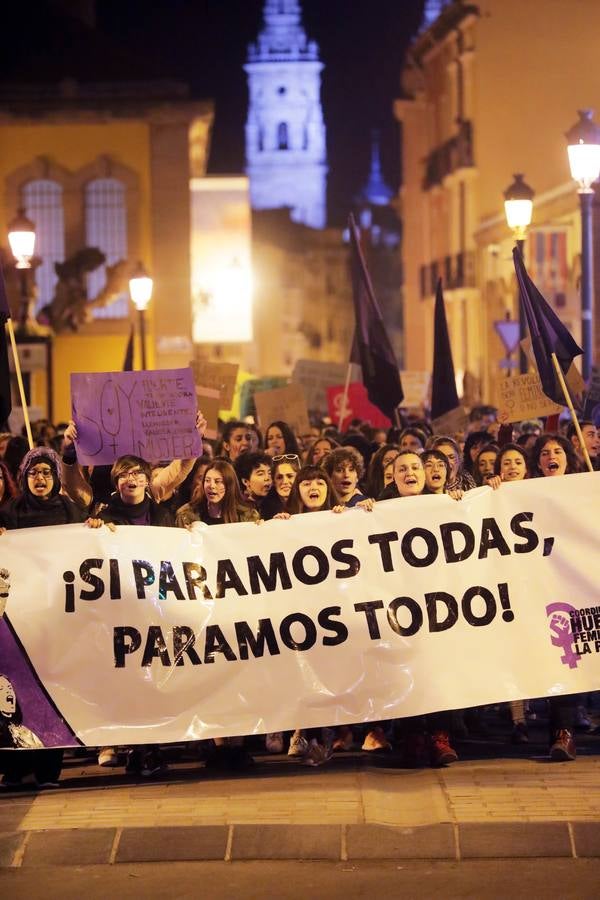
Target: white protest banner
{"points": [[522, 397], [151, 414], [150, 635]]}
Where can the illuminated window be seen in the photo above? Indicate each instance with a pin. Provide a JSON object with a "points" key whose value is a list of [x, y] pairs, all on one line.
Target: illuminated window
{"points": [[43, 202], [106, 228], [282, 136]]}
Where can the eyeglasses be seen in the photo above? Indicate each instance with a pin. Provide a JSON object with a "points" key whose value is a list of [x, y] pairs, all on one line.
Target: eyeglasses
{"points": [[44, 473], [286, 456], [135, 473]]}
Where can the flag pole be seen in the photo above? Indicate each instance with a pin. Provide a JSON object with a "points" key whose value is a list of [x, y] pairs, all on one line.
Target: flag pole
{"points": [[344, 402], [13, 344], [567, 396]]}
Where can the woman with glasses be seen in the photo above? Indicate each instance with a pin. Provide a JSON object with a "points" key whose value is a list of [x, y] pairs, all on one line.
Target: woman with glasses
{"points": [[40, 503], [285, 469]]}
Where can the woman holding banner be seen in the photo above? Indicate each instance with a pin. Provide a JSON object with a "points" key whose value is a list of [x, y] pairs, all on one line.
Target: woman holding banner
{"points": [[553, 455], [40, 503]]}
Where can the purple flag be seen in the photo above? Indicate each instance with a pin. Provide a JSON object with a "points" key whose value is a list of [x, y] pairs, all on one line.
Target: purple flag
{"points": [[548, 334], [371, 347], [444, 396]]}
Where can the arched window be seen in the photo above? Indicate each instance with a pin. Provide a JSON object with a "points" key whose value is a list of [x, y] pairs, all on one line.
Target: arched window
{"points": [[282, 136], [43, 202], [106, 228]]}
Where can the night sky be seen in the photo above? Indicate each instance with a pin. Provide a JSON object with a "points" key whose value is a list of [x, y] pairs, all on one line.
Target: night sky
{"points": [[362, 43]]}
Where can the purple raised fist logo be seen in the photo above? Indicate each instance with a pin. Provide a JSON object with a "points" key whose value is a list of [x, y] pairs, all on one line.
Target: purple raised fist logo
{"points": [[561, 632]]}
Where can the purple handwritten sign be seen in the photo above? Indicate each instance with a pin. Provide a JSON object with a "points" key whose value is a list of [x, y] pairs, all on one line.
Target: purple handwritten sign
{"points": [[151, 414]]}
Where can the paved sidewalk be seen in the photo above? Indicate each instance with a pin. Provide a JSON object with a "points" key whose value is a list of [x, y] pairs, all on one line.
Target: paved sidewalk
{"points": [[351, 808]]}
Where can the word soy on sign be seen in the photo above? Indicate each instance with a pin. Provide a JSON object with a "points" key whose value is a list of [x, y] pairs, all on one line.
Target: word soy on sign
{"points": [[151, 414]]}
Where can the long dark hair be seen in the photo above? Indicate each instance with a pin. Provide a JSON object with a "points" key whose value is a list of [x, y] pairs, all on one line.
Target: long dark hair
{"points": [[307, 473], [232, 505], [289, 438], [375, 471], [573, 464], [505, 448], [10, 488], [6, 738]]}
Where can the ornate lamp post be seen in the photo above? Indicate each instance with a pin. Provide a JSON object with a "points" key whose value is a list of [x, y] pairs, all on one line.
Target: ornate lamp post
{"points": [[140, 288], [21, 237], [584, 160], [518, 208]]}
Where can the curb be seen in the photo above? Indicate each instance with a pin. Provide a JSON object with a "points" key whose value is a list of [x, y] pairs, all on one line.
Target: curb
{"points": [[102, 846]]}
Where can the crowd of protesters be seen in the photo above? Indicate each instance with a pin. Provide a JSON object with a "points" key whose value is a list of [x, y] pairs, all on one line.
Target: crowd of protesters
{"points": [[250, 476]]}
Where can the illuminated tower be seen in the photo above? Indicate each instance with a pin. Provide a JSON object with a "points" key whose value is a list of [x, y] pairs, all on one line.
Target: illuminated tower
{"points": [[286, 156]]}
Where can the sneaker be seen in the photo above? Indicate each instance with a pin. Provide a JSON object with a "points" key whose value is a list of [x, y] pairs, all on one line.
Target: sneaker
{"points": [[274, 742], [47, 784], [376, 740], [519, 734], [316, 754], [152, 764], [9, 783], [582, 719], [440, 751], [298, 744], [327, 739], [344, 739], [563, 748], [108, 757]]}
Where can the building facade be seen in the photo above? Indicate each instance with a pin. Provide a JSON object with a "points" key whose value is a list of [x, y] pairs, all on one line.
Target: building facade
{"points": [[286, 155], [490, 88], [106, 166]]}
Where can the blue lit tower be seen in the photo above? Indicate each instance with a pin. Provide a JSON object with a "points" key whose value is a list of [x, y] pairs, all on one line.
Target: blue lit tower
{"points": [[286, 155]]}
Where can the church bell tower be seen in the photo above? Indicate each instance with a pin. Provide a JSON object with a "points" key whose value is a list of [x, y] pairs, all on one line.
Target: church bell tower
{"points": [[286, 155]]}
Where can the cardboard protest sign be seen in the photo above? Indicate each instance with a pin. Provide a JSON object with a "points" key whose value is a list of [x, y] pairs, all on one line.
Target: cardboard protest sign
{"points": [[415, 385], [209, 402], [220, 376], [253, 386], [522, 398], [283, 404], [315, 377], [151, 414], [358, 406], [451, 423]]}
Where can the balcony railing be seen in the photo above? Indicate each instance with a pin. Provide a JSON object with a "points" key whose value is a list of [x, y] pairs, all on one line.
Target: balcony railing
{"points": [[456, 153], [456, 271]]}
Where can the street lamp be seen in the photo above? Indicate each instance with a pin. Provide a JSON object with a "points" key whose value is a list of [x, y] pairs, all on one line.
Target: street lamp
{"points": [[140, 288], [584, 159], [518, 208], [21, 237]]}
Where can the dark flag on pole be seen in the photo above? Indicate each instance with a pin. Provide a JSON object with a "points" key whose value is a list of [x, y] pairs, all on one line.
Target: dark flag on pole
{"points": [[5, 396], [444, 396], [128, 361], [548, 334], [371, 347]]}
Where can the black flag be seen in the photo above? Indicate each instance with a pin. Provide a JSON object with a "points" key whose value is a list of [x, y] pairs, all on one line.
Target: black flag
{"points": [[444, 396], [548, 334], [371, 347], [128, 361]]}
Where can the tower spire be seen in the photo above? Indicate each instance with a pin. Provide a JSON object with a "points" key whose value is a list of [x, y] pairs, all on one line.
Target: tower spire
{"points": [[286, 157], [376, 191]]}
